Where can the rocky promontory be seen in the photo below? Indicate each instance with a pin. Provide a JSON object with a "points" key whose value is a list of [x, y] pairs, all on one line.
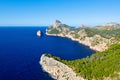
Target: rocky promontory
{"points": [[95, 42], [58, 70], [97, 38]]}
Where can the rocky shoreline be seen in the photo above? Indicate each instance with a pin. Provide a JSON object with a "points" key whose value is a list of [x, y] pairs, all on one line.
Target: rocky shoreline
{"points": [[86, 42], [91, 39], [58, 70]]}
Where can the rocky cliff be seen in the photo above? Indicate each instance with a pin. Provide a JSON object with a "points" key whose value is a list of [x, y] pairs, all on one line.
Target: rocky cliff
{"points": [[96, 38], [58, 70]]}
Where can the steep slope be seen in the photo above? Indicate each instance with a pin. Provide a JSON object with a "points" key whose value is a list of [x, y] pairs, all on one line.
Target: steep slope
{"points": [[96, 38], [100, 66], [58, 28]]}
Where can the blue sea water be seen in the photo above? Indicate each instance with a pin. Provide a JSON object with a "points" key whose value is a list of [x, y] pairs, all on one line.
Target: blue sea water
{"points": [[20, 51]]}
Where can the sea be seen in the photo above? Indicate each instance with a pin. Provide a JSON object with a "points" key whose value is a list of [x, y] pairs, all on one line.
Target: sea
{"points": [[21, 49]]}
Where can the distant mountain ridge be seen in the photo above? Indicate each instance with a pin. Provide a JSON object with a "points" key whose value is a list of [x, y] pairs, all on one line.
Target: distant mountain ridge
{"points": [[110, 26]]}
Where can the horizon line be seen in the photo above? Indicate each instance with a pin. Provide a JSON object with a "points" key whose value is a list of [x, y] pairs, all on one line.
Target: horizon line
{"points": [[75, 25]]}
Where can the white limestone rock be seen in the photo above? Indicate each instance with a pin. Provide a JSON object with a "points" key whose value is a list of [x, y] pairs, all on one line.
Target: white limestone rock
{"points": [[58, 70]]}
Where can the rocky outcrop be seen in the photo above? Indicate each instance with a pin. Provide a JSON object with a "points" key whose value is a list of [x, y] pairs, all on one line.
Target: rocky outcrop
{"points": [[38, 33], [58, 27], [58, 70], [57, 24]]}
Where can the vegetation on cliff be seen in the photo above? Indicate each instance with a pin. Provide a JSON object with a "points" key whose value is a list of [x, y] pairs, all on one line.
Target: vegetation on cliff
{"points": [[101, 65], [98, 38], [102, 32], [107, 31], [98, 66]]}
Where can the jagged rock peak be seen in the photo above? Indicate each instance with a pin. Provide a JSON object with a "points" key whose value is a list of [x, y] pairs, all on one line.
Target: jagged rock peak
{"points": [[57, 24], [57, 21]]}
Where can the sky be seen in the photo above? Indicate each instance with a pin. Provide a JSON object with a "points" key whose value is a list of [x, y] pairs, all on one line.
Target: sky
{"points": [[71, 12]]}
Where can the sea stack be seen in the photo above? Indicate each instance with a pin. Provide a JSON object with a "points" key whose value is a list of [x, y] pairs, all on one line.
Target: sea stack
{"points": [[38, 33]]}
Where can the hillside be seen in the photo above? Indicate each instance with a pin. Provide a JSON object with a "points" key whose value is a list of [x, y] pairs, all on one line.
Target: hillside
{"points": [[97, 38], [99, 66], [103, 65]]}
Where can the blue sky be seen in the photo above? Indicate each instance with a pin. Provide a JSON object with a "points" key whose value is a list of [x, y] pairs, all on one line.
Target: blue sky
{"points": [[71, 12]]}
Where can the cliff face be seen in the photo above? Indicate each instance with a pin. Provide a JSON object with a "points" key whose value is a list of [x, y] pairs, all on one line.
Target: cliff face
{"points": [[57, 69], [82, 35]]}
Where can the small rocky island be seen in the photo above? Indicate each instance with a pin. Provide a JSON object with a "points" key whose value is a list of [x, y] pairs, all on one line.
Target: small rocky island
{"points": [[38, 33], [58, 70]]}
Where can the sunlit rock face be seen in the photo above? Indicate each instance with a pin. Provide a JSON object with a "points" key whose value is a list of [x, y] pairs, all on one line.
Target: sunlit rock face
{"points": [[57, 24], [58, 70]]}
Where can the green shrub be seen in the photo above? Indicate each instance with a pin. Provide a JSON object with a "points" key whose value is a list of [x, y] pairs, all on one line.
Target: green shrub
{"points": [[97, 66]]}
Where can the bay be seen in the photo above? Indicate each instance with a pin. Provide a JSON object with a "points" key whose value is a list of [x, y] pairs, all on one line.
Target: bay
{"points": [[20, 51]]}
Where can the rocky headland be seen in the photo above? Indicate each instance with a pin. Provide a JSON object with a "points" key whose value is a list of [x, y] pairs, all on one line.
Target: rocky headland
{"points": [[58, 70], [85, 35]]}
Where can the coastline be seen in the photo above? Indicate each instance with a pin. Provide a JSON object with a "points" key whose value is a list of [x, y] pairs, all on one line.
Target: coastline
{"points": [[70, 37], [55, 72], [58, 70]]}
